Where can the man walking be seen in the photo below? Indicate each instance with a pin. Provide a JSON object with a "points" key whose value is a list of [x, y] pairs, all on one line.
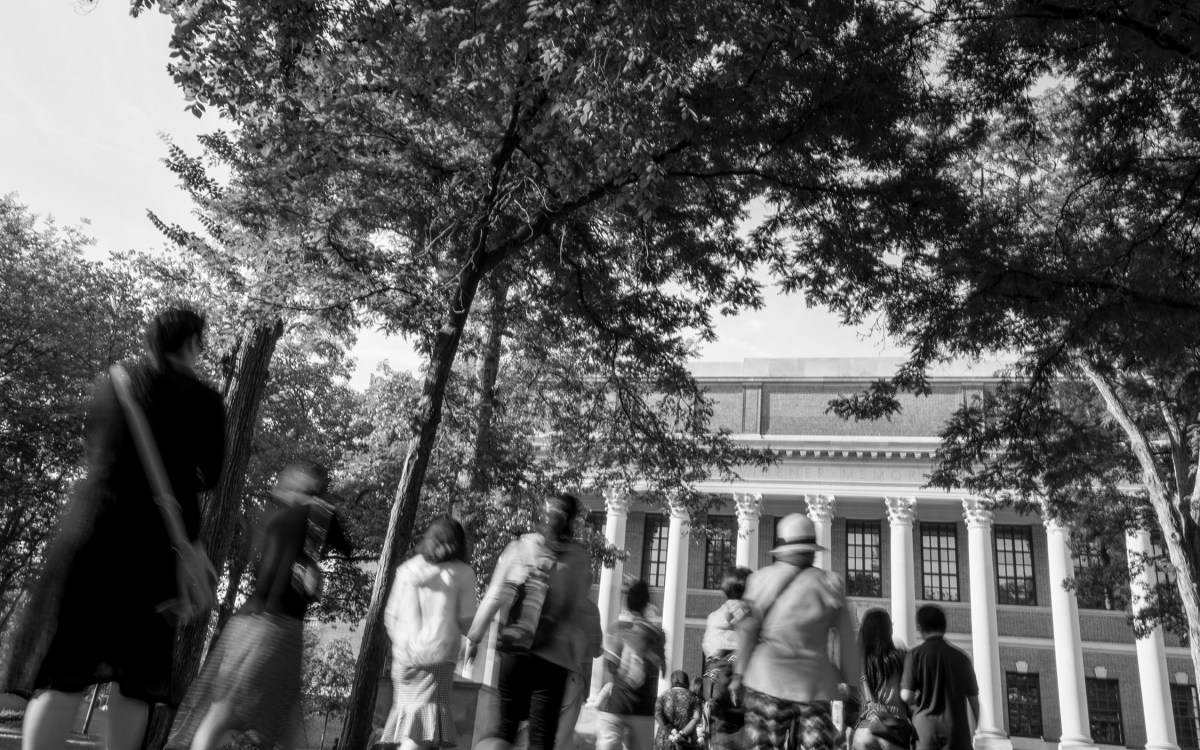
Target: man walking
{"points": [[937, 678], [635, 654]]}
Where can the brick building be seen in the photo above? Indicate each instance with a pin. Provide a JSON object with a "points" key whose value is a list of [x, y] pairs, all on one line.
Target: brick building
{"points": [[1052, 670]]}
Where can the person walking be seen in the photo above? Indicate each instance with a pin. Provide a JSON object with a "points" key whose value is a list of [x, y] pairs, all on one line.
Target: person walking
{"points": [[251, 680], [431, 606], [783, 654], [587, 644], [939, 684], [883, 723], [537, 589], [723, 717], [124, 568], [678, 712], [634, 654]]}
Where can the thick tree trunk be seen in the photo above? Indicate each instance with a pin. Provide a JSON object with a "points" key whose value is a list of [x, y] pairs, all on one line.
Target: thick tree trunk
{"points": [[356, 732], [221, 506], [489, 370], [237, 567]]}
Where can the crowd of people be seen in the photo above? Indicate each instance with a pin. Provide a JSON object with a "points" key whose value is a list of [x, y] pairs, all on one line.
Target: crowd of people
{"points": [[126, 569]]}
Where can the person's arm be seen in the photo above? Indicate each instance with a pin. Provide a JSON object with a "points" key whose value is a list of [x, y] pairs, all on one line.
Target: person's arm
{"points": [[690, 727], [909, 689], [973, 702], [660, 711], [467, 607], [491, 600]]}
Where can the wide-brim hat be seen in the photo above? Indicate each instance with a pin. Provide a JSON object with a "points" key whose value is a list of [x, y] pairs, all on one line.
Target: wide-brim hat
{"points": [[796, 533]]}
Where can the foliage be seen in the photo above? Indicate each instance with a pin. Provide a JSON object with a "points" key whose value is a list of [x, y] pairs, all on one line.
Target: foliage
{"points": [[328, 667]]}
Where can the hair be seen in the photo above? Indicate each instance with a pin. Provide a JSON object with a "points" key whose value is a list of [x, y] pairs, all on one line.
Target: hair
{"points": [[444, 540], [697, 685], [679, 678], [637, 597], [733, 581], [170, 330], [568, 506], [881, 659], [931, 619]]}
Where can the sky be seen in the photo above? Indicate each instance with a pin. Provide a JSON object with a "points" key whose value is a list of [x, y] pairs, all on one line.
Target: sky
{"points": [[87, 100]]}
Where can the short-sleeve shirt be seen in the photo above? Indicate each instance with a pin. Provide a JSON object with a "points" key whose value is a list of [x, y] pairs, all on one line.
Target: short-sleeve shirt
{"points": [[649, 641], [945, 679]]}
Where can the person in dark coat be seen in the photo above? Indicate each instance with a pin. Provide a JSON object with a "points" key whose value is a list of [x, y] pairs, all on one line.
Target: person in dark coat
{"points": [[104, 607]]}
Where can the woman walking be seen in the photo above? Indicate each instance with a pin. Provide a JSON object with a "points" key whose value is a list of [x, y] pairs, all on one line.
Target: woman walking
{"points": [[677, 712], [430, 608], [883, 723]]}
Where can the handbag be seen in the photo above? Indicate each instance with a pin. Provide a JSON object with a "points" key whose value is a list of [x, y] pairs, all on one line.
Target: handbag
{"points": [[195, 577], [892, 728]]}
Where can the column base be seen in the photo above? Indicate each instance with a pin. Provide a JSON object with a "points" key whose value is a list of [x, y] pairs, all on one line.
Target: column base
{"points": [[1076, 743], [992, 741], [1161, 746]]}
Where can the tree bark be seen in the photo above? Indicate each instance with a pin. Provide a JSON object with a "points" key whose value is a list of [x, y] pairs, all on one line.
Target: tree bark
{"points": [[489, 370], [237, 567], [220, 511]]}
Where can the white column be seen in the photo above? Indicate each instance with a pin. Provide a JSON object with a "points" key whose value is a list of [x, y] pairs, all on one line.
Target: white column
{"points": [[1068, 648], [675, 592], [901, 511], [820, 512], [1151, 654], [749, 511], [616, 509], [985, 643]]}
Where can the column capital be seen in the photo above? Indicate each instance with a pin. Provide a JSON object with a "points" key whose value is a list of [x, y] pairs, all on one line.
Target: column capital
{"points": [[616, 501], [748, 505], [978, 512], [1052, 523], [677, 508], [820, 507], [901, 510]]}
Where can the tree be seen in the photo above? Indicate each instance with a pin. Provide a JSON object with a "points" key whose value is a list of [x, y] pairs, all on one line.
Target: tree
{"points": [[1071, 245], [328, 667], [602, 154]]}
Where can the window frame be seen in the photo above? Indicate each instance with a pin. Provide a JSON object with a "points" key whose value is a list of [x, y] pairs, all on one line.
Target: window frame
{"points": [[938, 530], [1193, 704], [726, 547], [865, 528], [1010, 559], [1091, 688], [1030, 696], [654, 571]]}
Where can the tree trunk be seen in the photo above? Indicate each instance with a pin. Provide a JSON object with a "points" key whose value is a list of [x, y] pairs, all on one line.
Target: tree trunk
{"points": [[368, 669], [220, 508], [489, 370], [237, 567]]}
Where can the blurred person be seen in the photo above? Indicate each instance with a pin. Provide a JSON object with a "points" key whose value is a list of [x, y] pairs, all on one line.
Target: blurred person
{"points": [[588, 643], [537, 590], [939, 685], [120, 571], [883, 722], [723, 717], [431, 606], [250, 683], [634, 654], [783, 654], [677, 712]]}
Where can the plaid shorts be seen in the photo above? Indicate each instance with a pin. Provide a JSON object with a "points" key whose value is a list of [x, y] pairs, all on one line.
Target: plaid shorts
{"points": [[777, 724]]}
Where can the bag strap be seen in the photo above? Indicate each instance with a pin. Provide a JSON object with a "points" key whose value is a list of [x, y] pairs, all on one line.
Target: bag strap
{"points": [[147, 449], [320, 518]]}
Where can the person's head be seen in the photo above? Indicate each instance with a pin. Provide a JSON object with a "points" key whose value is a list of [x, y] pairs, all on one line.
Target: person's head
{"points": [[560, 513], [175, 335], [733, 582], [637, 597], [697, 685], [300, 481], [679, 679], [931, 620], [797, 540], [445, 540]]}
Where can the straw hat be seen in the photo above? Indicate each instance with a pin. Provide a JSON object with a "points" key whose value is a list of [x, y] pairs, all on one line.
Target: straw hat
{"points": [[796, 534]]}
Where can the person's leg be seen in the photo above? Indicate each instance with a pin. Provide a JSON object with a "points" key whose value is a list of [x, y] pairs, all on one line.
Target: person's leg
{"points": [[572, 705], [217, 724], [126, 720], [514, 688], [610, 732], [48, 719], [640, 732], [817, 731], [548, 682]]}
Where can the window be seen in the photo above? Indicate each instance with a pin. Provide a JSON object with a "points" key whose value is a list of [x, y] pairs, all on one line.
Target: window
{"points": [[939, 562], [1093, 594], [654, 550], [864, 573], [1024, 704], [1186, 709], [596, 520], [1104, 708], [1014, 565], [720, 549]]}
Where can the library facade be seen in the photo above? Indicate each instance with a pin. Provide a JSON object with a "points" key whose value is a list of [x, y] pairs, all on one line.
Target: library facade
{"points": [[1052, 670]]}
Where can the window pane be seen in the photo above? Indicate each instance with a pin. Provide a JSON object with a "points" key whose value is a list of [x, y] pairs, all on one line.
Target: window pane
{"points": [[864, 572], [720, 549], [654, 550], [1104, 708], [1024, 705], [1094, 556], [939, 562], [1186, 709], [1014, 565]]}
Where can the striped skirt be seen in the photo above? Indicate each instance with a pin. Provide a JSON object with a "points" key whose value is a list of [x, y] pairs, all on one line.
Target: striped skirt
{"points": [[421, 705], [777, 724]]}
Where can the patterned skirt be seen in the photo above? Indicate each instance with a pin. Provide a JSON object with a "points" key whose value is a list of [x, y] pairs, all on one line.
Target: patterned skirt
{"points": [[777, 724], [421, 705], [254, 669]]}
